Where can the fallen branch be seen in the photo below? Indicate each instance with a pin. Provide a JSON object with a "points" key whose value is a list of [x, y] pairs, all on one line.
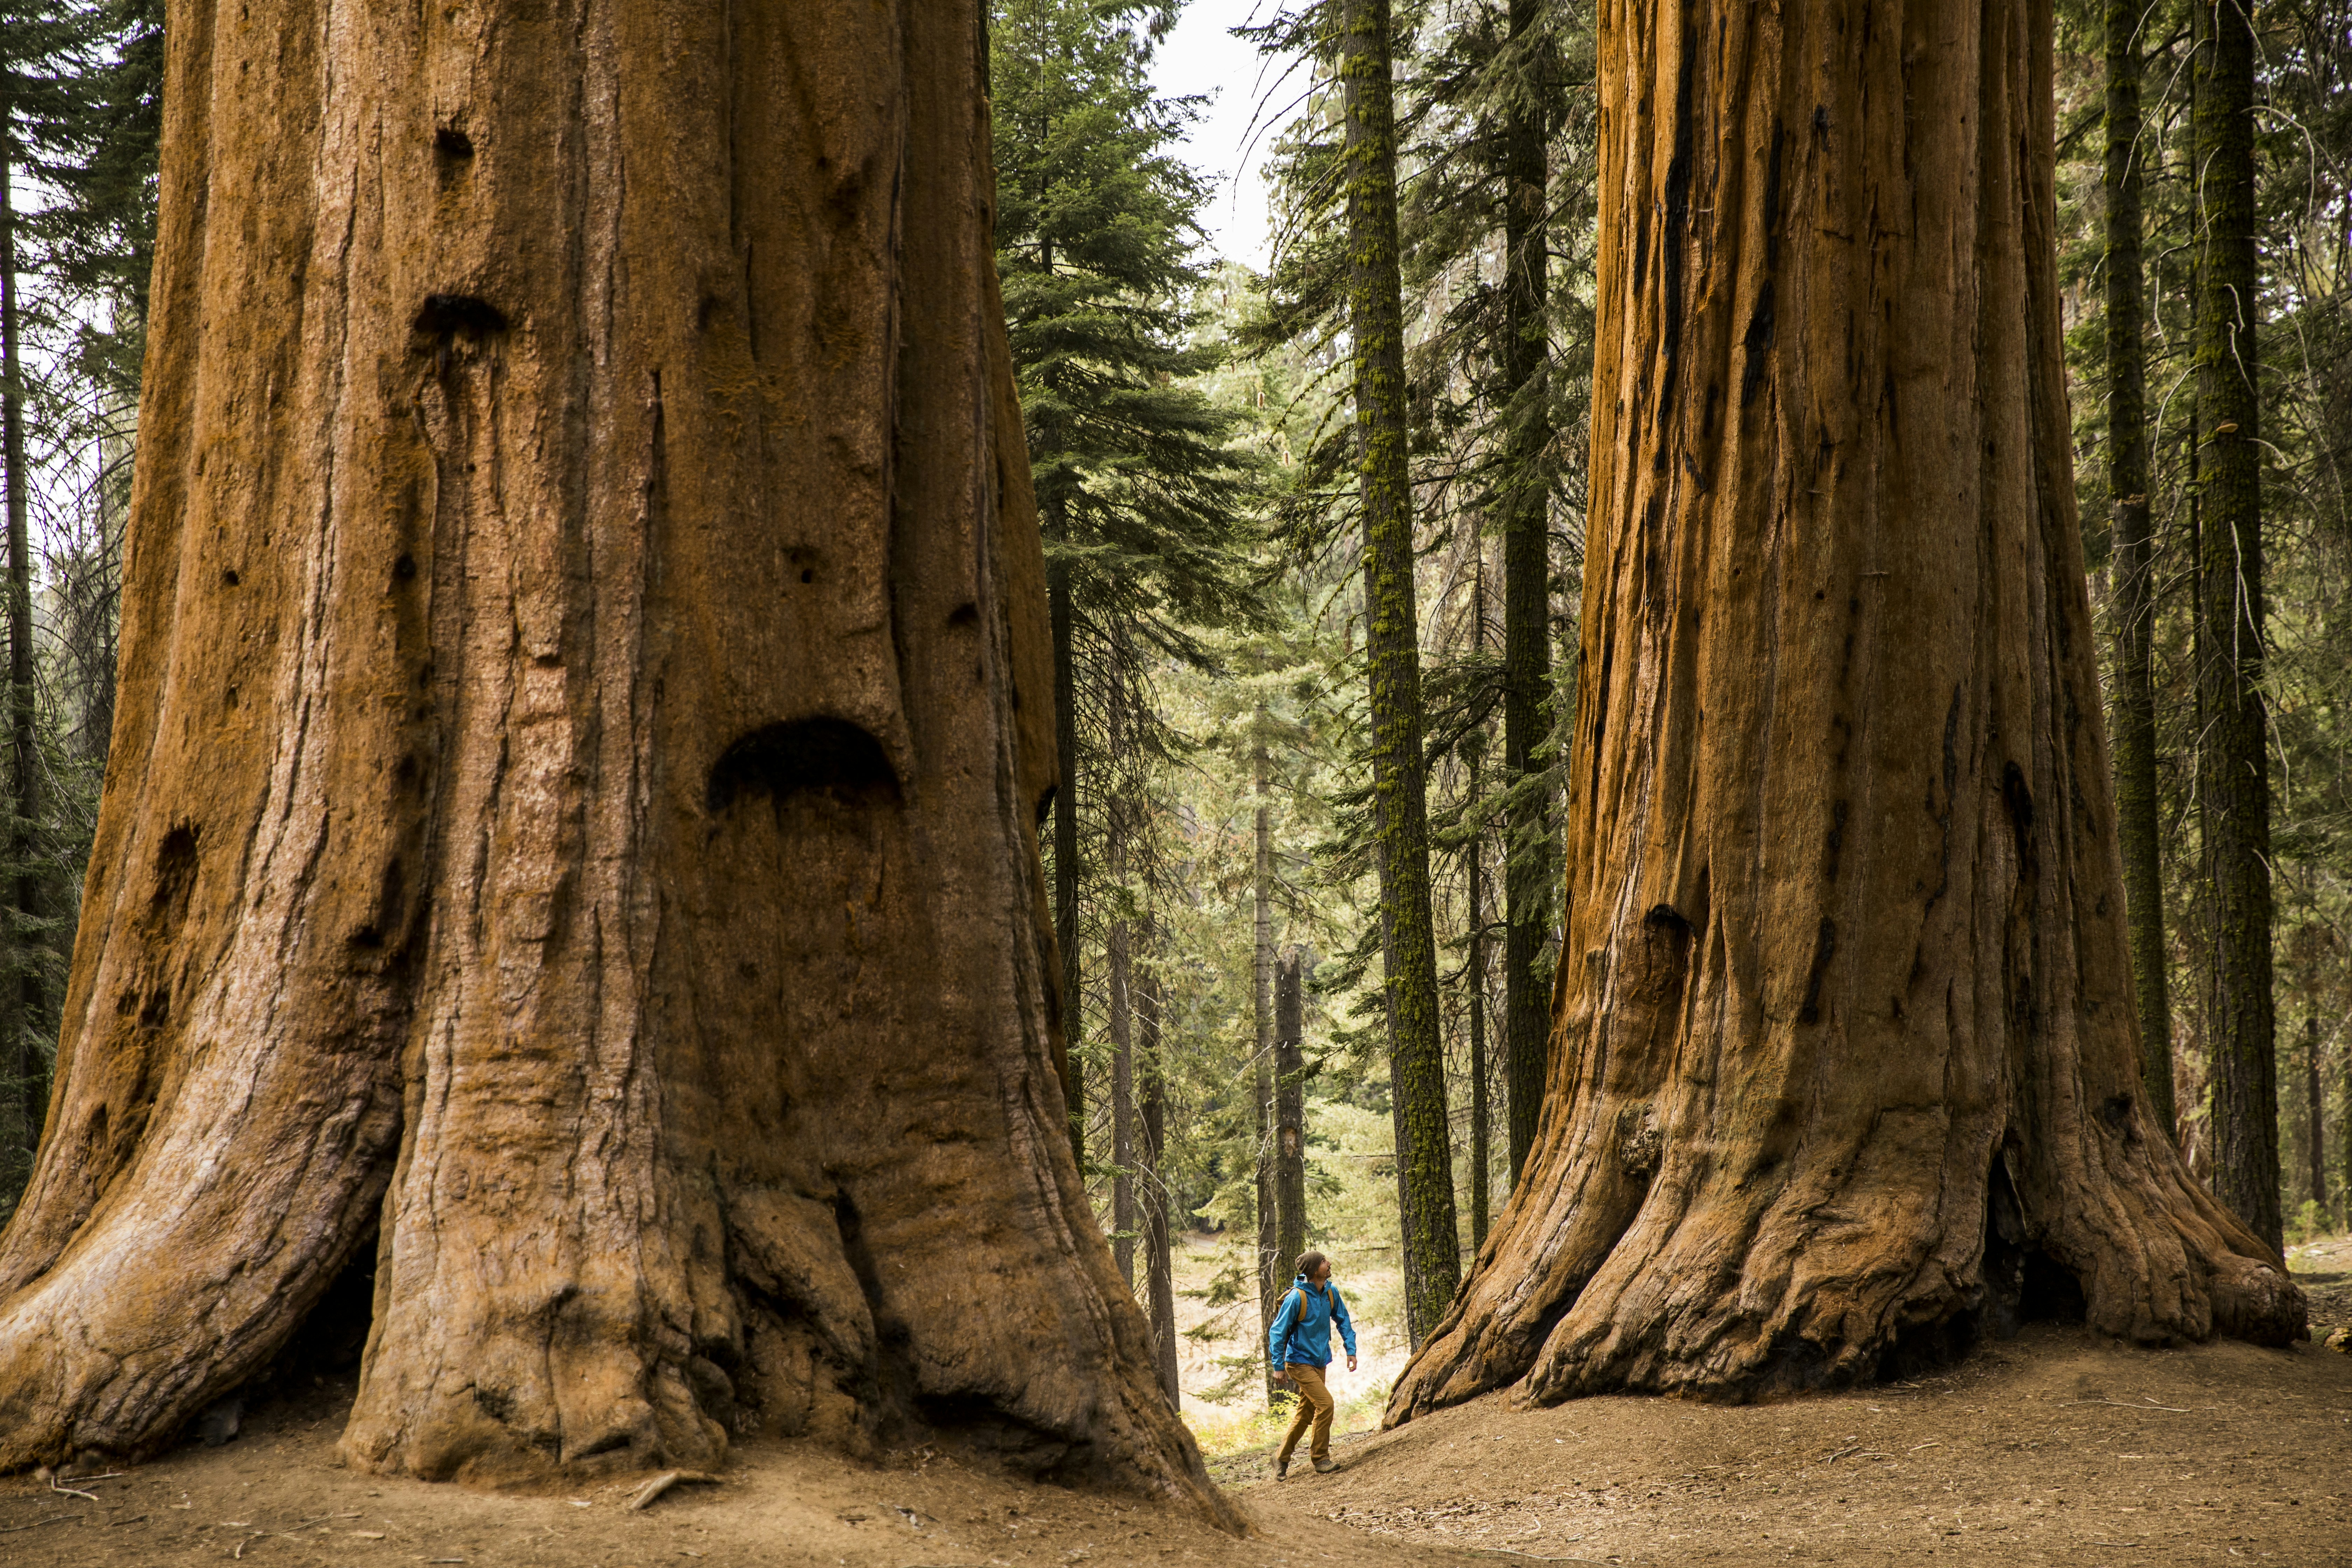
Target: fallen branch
{"points": [[645, 1495], [37, 1523]]}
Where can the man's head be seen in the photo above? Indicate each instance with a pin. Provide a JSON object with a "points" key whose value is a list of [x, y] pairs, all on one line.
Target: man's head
{"points": [[1315, 1267]]}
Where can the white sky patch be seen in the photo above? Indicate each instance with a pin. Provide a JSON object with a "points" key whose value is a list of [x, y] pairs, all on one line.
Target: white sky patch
{"points": [[1201, 56]]}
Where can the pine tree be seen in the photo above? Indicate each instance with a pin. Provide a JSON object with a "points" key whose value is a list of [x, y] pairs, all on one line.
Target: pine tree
{"points": [[2233, 791], [1143, 505]]}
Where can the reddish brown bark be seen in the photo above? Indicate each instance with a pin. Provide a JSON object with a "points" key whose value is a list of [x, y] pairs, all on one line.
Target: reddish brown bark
{"points": [[586, 700], [1844, 1053]]}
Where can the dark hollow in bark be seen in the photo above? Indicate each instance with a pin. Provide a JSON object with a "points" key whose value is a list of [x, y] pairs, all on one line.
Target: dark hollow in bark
{"points": [[589, 859], [1845, 1055]]}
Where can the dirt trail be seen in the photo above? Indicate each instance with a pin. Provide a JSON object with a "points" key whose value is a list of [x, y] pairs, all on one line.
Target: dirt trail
{"points": [[2056, 1447]]}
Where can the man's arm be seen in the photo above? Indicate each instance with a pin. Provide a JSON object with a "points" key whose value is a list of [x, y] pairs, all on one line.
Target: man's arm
{"points": [[1347, 1324]]}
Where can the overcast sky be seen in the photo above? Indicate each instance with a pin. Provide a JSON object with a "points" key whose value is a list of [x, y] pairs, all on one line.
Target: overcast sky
{"points": [[1201, 56]]}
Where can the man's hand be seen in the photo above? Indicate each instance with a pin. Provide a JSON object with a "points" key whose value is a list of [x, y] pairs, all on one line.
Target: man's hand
{"points": [[1352, 1360]]}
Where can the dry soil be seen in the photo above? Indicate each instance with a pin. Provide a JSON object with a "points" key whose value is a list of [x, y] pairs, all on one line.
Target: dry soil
{"points": [[2055, 1448]]}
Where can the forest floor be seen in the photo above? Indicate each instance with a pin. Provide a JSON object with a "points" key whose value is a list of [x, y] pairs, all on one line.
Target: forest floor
{"points": [[2058, 1447]]}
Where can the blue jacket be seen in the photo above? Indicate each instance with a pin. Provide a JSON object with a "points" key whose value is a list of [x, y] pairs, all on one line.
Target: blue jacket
{"points": [[1301, 1335]]}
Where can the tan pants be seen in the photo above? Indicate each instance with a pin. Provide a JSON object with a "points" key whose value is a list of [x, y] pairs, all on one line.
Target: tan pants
{"points": [[1314, 1404]]}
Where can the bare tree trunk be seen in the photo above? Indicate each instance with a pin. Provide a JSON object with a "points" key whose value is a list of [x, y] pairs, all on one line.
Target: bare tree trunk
{"points": [[2234, 750], [1477, 987], [2314, 1117], [1424, 1154], [1845, 1028], [1527, 596], [585, 709], [1270, 1277], [1122, 1098], [1159, 1239], [1071, 1012], [23, 1088], [1289, 1113], [2133, 605]]}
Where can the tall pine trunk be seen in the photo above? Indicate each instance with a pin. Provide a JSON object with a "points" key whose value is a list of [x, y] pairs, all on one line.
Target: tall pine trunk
{"points": [[1474, 984], [2233, 795], [585, 709], [1117, 962], [1158, 1238], [2315, 1117], [1845, 1033], [1526, 591], [1289, 1113], [2133, 600], [23, 1088], [1424, 1158], [1270, 1277], [1060, 620]]}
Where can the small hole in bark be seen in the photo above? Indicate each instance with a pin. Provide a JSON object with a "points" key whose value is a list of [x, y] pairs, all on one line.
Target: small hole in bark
{"points": [[807, 755], [965, 614], [451, 143], [404, 569], [367, 936], [158, 1011], [808, 575], [175, 867], [443, 315], [2116, 1112], [228, 579]]}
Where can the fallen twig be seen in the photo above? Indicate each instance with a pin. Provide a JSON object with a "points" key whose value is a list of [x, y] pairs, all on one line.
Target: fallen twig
{"points": [[113, 1523], [2127, 1405], [37, 1523], [57, 1486], [321, 1519], [1536, 1556], [645, 1495]]}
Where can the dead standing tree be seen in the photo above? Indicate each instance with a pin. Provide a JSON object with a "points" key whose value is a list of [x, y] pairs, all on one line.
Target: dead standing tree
{"points": [[1845, 1056], [585, 705]]}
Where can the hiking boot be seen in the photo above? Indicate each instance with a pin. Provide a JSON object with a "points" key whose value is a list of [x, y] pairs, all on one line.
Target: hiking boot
{"points": [[1281, 1465], [1324, 1467]]}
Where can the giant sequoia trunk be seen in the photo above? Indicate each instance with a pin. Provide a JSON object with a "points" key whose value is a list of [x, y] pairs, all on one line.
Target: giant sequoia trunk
{"points": [[585, 703], [1844, 1060]]}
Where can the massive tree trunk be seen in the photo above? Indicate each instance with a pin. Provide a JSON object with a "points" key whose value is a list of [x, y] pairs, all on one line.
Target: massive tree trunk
{"points": [[2133, 600], [1844, 1059], [586, 700], [1526, 584], [2233, 799], [1425, 1153]]}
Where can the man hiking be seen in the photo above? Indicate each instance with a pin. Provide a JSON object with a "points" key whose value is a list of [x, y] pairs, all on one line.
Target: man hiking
{"points": [[1299, 1347]]}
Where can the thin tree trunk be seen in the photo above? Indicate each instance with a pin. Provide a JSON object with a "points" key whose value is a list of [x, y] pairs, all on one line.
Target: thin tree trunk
{"points": [[1528, 865], [1159, 1238], [2133, 602], [2314, 1117], [1289, 1113], [1122, 1079], [1425, 1160], [1847, 1034], [1072, 1011], [23, 1087], [1476, 990], [2233, 756], [584, 715], [1270, 1278]]}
